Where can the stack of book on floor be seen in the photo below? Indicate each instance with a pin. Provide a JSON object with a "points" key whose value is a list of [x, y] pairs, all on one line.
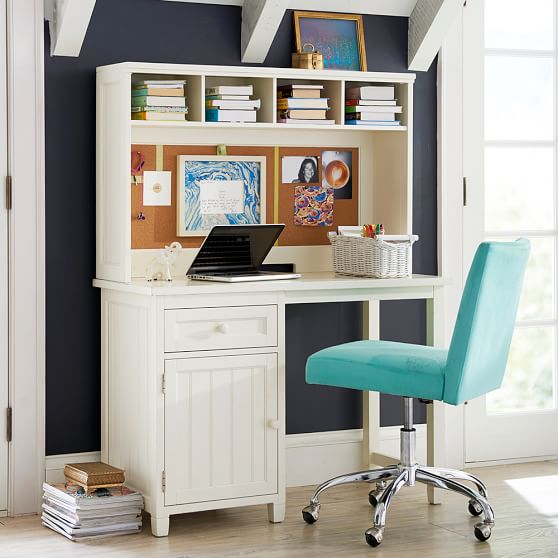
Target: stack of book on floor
{"points": [[371, 105], [302, 104], [105, 512], [159, 99], [230, 103]]}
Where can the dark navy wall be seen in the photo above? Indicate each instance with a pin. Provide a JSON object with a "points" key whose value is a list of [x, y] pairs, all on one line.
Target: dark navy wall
{"points": [[155, 31]]}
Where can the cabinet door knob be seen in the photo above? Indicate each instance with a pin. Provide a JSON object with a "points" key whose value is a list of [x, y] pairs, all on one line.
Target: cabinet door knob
{"points": [[274, 424], [222, 328]]}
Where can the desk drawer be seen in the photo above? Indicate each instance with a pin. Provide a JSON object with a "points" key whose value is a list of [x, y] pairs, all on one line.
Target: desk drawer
{"points": [[228, 327]]}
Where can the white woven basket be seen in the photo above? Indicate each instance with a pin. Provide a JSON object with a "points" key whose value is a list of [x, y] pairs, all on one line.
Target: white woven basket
{"points": [[372, 257]]}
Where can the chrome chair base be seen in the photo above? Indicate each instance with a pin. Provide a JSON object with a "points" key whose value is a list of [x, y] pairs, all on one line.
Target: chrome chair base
{"points": [[389, 480], [399, 476]]}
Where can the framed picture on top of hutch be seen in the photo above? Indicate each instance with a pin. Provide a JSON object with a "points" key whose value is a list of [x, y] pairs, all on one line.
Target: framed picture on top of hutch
{"points": [[339, 37], [219, 190]]}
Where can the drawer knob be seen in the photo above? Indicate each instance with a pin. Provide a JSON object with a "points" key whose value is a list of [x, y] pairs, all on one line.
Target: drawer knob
{"points": [[274, 424], [222, 328]]}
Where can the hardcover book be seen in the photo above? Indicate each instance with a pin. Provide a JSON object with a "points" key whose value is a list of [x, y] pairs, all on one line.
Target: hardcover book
{"points": [[253, 104], [218, 115], [303, 114], [158, 92], [93, 474], [371, 92], [155, 115], [372, 116], [291, 103], [154, 101], [372, 109], [230, 90]]}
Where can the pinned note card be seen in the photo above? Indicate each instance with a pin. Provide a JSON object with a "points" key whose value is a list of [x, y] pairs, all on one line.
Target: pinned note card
{"points": [[156, 188], [221, 197]]}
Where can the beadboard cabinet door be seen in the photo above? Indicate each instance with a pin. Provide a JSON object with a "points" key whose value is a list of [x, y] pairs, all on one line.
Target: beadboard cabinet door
{"points": [[221, 428]]}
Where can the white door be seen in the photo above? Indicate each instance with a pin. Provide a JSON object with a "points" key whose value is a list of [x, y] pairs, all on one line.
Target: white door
{"points": [[221, 429], [510, 143], [3, 266]]}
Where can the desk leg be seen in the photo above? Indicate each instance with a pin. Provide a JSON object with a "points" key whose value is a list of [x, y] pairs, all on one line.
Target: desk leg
{"points": [[371, 400], [160, 526], [276, 512], [435, 420]]}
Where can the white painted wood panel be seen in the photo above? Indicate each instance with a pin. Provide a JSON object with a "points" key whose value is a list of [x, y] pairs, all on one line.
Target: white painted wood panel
{"points": [[129, 387], [4, 293], [233, 327], [25, 22], [221, 430], [113, 173]]}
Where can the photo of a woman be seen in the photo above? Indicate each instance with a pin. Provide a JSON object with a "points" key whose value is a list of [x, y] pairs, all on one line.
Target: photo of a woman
{"points": [[308, 172], [300, 170]]}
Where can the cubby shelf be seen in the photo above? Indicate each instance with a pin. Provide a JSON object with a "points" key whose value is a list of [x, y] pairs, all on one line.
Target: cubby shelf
{"points": [[385, 169]]}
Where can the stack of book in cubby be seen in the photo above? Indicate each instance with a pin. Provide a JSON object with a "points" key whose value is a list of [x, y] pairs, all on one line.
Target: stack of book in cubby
{"points": [[159, 99], [105, 512], [230, 103], [302, 104], [371, 105]]}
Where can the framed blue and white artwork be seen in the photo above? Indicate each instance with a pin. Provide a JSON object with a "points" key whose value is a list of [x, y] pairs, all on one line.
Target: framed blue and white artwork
{"points": [[219, 190]]}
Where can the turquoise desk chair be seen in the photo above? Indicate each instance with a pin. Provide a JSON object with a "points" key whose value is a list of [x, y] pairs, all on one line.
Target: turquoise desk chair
{"points": [[473, 365]]}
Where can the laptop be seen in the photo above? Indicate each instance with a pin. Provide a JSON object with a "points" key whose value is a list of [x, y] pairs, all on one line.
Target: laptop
{"points": [[234, 253]]}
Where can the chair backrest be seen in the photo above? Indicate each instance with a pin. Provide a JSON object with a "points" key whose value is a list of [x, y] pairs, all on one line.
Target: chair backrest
{"points": [[481, 340]]}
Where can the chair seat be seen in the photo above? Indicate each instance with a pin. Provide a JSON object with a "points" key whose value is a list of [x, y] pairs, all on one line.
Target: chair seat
{"points": [[384, 366]]}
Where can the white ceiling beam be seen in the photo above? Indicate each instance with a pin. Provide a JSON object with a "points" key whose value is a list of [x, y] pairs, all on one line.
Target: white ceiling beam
{"points": [[369, 7], [68, 22], [220, 2], [365, 7], [428, 26], [260, 21]]}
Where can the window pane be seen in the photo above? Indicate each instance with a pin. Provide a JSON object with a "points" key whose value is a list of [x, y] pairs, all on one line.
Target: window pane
{"points": [[528, 384], [537, 297], [517, 24], [518, 98], [519, 192]]}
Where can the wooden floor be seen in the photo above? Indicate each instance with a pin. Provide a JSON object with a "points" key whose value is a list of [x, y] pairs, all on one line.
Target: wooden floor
{"points": [[524, 497]]}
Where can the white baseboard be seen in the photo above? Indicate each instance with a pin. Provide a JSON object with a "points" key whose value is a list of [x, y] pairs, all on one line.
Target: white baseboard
{"points": [[54, 464], [315, 457], [311, 458], [496, 462]]}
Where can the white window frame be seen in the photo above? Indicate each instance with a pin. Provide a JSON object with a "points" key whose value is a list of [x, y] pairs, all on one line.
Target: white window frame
{"points": [[450, 208], [4, 363]]}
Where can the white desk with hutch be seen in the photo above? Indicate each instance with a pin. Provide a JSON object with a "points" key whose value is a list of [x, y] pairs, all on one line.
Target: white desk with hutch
{"points": [[193, 373]]}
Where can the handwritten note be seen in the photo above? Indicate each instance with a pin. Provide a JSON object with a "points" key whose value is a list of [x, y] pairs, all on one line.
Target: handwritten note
{"points": [[218, 197]]}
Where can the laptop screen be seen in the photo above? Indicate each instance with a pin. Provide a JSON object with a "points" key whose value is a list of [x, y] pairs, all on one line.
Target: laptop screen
{"points": [[235, 248]]}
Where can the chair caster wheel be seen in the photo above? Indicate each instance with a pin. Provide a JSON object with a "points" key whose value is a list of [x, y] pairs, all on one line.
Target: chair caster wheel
{"points": [[372, 499], [374, 536], [310, 513], [482, 531], [474, 508]]}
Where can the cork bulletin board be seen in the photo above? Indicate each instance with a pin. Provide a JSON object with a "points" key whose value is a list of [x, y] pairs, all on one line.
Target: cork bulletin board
{"points": [[345, 211], [159, 227]]}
